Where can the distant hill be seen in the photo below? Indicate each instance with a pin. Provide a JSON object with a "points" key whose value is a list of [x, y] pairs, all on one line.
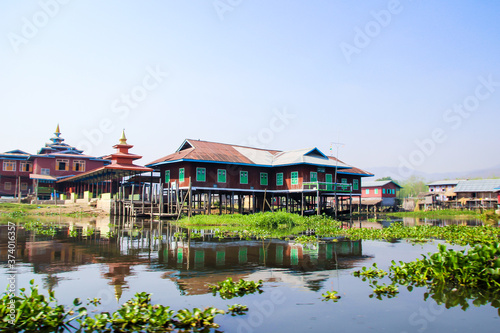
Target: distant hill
{"points": [[395, 174]]}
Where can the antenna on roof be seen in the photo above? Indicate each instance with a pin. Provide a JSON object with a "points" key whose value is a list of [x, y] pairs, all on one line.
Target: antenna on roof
{"points": [[338, 145]]}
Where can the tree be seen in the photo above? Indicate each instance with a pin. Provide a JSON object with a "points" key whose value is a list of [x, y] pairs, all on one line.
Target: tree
{"points": [[412, 187]]}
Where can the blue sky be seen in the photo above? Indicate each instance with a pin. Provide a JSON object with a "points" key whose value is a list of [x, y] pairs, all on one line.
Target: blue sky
{"points": [[407, 84]]}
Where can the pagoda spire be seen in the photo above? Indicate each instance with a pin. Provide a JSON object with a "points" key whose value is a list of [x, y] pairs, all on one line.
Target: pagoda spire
{"points": [[57, 140], [123, 139]]}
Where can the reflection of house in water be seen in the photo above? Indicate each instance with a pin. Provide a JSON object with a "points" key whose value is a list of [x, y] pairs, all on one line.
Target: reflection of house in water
{"points": [[200, 263], [190, 264]]}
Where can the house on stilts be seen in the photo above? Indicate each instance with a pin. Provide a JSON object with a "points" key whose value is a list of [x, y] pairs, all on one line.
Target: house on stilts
{"points": [[210, 177]]}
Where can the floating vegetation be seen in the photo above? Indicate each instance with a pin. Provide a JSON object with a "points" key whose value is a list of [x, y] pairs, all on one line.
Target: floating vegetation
{"points": [[370, 272], [281, 225], [462, 235], [40, 228], [330, 295], [442, 213], [452, 277], [379, 291], [237, 309], [228, 289], [35, 312], [304, 239], [197, 318]]}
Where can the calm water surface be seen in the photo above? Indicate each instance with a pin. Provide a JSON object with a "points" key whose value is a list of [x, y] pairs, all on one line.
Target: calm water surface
{"points": [[151, 257]]}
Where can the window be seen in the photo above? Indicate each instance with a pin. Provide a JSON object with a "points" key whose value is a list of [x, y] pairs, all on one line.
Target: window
{"points": [[383, 191], [367, 191], [26, 167], [181, 175], [295, 178], [263, 178], [314, 176], [24, 186], [7, 186], [279, 179], [344, 181], [9, 166], [62, 165], [376, 191], [201, 174], [79, 165], [221, 175], [45, 171], [243, 177], [167, 176], [355, 184]]}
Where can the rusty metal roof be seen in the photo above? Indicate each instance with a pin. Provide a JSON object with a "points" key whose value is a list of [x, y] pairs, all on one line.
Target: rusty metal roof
{"points": [[205, 151]]}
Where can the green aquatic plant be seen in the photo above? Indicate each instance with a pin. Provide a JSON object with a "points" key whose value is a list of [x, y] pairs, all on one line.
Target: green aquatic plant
{"points": [[40, 228], [304, 239], [36, 312], [197, 318], [330, 295], [451, 277], [237, 309], [94, 301], [228, 289], [389, 291], [370, 272]]}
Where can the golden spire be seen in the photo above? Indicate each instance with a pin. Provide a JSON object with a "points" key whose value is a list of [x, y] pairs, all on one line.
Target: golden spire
{"points": [[57, 130], [123, 139], [118, 292]]}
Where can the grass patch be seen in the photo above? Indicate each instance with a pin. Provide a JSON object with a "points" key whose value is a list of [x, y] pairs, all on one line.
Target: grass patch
{"points": [[445, 213], [262, 225]]}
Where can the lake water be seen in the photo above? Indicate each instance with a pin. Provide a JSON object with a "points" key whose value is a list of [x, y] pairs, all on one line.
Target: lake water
{"points": [[176, 265]]}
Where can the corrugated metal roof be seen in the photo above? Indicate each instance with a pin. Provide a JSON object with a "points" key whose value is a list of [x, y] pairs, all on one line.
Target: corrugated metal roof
{"points": [[445, 182], [479, 185], [377, 183], [356, 171], [221, 152]]}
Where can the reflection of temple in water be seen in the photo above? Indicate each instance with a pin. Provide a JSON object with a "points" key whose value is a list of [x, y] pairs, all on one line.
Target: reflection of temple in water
{"points": [[190, 263]]}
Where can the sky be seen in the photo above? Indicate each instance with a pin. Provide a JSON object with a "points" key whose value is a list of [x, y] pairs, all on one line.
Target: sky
{"points": [[409, 84]]}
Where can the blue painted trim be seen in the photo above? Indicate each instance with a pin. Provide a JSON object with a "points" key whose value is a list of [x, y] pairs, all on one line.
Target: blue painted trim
{"points": [[245, 164], [354, 174], [319, 151]]}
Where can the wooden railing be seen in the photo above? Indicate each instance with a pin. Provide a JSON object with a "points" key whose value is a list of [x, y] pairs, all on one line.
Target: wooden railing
{"points": [[328, 187]]}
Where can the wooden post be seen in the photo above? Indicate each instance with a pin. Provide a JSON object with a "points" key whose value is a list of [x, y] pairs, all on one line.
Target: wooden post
{"points": [[302, 204], [318, 202], [350, 205], [132, 210], [232, 202], [209, 203], [190, 199], [19, 190], [160, 200]]}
